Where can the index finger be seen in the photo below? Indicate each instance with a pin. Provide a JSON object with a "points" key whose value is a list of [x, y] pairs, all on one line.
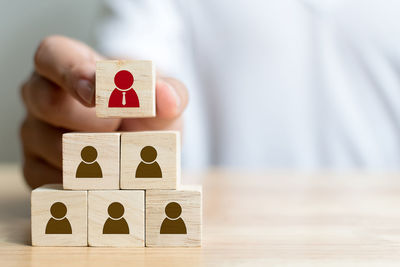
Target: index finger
{"points": [[70, 64]]}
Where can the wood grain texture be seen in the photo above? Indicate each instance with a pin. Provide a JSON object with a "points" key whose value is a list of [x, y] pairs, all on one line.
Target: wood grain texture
{"points": [[144, 86], [42, 200], [251, 218], [108, 155], [167, 145], [190, 201], [134, 212]]}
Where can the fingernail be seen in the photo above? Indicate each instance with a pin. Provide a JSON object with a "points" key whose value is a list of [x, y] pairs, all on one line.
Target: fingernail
{"points": [[85, 90]]}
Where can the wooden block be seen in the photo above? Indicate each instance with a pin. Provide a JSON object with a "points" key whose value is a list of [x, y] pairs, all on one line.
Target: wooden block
{"points": [[91, 160], [174, 217], [125, 88], [150, 160], [116, 218], [59, 217]]}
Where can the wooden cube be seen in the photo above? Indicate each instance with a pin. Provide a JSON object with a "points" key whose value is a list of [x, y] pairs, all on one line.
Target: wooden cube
{"points": [[59, 217], [150, 160], [125, 88], [116, 218], [174, 217], [91, 160]]}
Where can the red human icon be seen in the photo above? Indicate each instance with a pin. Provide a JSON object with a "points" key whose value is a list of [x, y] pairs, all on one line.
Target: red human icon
{"points": [[123, 96]]}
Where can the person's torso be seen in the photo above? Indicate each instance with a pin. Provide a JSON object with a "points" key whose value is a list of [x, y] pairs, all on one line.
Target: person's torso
{"points": [[298, 84]]}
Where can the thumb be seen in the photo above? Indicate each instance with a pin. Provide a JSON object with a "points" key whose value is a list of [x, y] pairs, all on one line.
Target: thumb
{"points": [[172, 98]]}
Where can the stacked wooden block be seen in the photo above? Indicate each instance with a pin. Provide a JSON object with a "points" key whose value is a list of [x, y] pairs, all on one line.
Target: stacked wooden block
{"points": [[119, 189]]}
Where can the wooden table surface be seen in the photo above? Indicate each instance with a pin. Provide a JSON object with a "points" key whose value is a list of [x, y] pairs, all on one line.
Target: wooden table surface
{"points": [[254, 219]]}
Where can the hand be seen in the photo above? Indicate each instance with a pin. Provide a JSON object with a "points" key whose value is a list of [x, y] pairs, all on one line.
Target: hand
{"points": [[59, 97]]}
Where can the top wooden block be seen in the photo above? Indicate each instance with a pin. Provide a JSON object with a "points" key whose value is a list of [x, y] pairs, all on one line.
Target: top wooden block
{"points": [[125, 88]]}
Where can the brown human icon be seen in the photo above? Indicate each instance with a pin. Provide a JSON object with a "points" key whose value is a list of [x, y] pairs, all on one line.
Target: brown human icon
{"points": [[116, 224], [173, 223], [58, 223], [148, 167], [89, 167]]}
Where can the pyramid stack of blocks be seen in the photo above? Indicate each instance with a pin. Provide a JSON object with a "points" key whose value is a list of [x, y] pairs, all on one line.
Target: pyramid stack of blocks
{"points": [[119, 189]]}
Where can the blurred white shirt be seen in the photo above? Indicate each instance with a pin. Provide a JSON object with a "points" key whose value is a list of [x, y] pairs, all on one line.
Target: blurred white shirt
{"points": [[305, 84]]}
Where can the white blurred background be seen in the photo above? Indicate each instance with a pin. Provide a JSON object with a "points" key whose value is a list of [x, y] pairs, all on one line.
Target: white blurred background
{"points": [[277, 84]]}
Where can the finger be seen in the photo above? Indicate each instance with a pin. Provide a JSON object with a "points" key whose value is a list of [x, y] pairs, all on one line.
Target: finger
{"points": [[42, 140], [37, 172], [172, 98], [47, 102], [70, 64]]}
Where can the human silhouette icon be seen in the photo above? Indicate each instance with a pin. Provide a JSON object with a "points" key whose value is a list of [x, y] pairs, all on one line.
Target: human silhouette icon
{"points": [[123, 96], [58, 223], [148, 167], [173, 223], [89, 167], [116, 224]]}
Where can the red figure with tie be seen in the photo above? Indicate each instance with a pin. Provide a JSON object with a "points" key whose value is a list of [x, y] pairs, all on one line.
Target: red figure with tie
{"points": [[123, 96]]}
